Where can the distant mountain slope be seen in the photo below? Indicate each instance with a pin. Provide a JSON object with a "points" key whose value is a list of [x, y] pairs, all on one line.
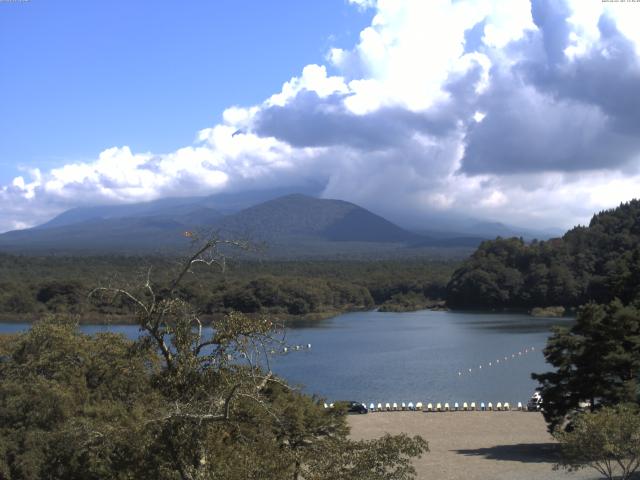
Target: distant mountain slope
{"points": [[162, 207], [125, 235], [291, 225], [159, 226], [295, 216], [224, 203], [595, 263]]}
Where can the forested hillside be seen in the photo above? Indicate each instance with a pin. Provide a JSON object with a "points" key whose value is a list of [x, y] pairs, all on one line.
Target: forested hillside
{"points": [[32, 286], [597, 263]]}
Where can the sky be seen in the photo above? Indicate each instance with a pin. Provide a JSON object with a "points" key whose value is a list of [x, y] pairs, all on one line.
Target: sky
{"points": [[525, 112]]}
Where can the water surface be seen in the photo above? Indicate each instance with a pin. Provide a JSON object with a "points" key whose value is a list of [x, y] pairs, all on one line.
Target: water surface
{"points": [[417, 356]]}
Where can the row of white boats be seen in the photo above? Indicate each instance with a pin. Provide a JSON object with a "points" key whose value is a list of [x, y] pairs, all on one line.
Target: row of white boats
{"points": [[534, 404], [440, 407]]}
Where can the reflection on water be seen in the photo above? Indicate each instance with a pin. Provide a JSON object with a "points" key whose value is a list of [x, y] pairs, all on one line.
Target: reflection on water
{"points": [[510, 323], [417, 356]]}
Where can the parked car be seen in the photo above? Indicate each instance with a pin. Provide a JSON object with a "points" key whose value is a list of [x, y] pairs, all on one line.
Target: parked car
{"points": [[357, 407], [352, 407], [535, 402]]}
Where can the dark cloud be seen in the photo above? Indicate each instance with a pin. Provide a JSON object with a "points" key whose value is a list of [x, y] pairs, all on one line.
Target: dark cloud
{"points": [[311, 121], [552, 113], [607, 76], [550, 16], [526, 131]]}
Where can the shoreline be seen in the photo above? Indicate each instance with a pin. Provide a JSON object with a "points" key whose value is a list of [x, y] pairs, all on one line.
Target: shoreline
{"points": [[287, 320], [118, 319]]}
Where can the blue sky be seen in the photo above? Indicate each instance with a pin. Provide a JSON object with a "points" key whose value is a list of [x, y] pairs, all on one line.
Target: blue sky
{"points": [[520, 111], [77, 77]]}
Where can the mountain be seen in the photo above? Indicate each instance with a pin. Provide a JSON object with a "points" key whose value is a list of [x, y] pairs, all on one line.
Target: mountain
{"points": [[290, 225], [176, 208], [166, 207], [296, 217], [466, 227], [122, 235], [499, 229]]}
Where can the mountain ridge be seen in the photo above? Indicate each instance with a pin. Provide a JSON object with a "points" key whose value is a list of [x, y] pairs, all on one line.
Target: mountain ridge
{"points": [[290, 224]]}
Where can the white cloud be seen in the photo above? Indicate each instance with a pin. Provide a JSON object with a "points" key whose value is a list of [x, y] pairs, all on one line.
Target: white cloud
{"points": [[313, 79], [363, 3]]}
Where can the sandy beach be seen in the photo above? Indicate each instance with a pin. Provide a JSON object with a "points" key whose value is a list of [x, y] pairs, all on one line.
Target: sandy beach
{"points": [[474, 445]]}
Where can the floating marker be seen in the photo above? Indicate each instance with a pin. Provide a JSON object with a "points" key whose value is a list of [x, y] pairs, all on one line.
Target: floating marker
{"points": [[489, 363], [459, 373], [469, 370]]}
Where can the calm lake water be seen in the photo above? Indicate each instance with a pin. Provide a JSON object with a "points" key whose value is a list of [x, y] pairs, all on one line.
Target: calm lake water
{"points": [[409, 357]]}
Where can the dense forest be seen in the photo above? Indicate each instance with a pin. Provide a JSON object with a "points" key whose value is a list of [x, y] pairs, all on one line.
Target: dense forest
{"points": [[35, 285], [596, 263]]}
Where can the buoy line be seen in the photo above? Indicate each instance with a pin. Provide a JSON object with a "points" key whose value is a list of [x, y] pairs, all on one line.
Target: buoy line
{"points": [[502, 360]]}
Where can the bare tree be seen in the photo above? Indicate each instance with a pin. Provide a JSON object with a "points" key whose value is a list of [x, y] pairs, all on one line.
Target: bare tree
{"points": [[217, 386], [208, 368]]}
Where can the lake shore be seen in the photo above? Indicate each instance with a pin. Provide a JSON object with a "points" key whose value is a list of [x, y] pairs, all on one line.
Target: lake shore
{"points": [[474, 445], [286, 319]]}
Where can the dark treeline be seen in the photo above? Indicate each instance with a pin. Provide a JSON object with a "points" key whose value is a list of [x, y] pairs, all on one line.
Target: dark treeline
{"points": [[32, 286], [588, 264]]}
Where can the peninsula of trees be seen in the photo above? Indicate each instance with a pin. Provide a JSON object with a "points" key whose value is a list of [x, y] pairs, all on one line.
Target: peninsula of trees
{"points": [[596, 263]]}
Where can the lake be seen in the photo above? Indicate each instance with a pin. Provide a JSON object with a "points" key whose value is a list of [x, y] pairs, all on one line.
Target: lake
{"points": [[409, 357]]}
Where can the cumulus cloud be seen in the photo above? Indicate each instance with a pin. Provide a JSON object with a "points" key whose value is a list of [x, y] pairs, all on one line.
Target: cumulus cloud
{"points": [[516, 110]]}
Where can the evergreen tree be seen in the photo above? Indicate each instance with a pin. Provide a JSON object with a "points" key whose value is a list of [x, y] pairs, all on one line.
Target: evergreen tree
{"points": [[597, 362]]}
